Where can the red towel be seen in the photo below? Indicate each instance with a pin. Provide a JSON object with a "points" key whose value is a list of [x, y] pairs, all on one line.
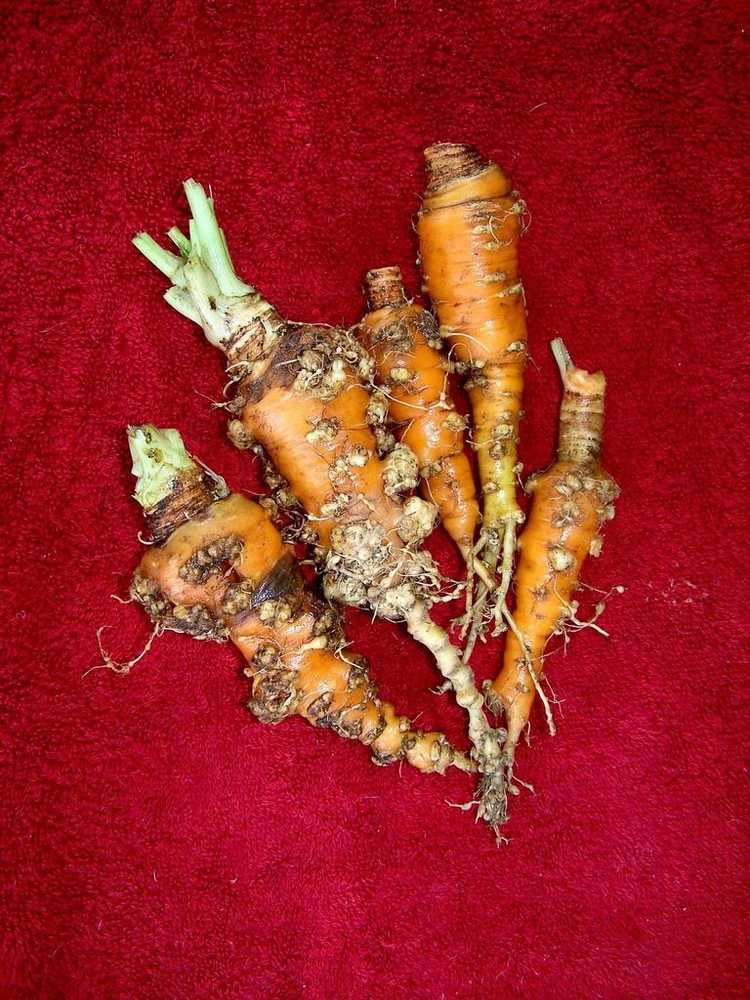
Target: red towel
{"points": [[157, 841]]}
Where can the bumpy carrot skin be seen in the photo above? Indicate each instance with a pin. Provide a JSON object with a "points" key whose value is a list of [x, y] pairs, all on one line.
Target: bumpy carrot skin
{"points": [[300, 395], [469, 227], [403, 340], [570, 503], [226, 573]]}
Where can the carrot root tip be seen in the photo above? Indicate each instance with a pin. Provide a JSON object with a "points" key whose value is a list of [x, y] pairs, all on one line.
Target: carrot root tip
{"points": [[493, 796]]}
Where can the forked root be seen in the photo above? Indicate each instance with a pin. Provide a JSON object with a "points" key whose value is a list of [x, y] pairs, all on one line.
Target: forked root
{"points": [[494, 551], [475, 567], [485, 576], [506, 572]]}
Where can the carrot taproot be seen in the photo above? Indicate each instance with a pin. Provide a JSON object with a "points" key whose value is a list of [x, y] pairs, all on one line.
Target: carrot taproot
{"points": [[403, 339], [219, 569], [469, 227], [570, 503], [301, 394]]}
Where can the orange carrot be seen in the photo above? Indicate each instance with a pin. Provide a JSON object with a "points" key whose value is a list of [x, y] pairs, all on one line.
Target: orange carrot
{"points": [[300, 395], [469, 227], [570, 502], [219, 569], [402, 338]]}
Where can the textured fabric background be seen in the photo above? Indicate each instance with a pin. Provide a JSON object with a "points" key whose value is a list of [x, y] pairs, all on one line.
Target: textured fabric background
{"points": [[158, 842]]}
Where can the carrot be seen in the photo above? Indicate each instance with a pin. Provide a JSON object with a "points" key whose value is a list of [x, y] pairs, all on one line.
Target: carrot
{"points": [[300, 395], [402, 338], [469, 227], [220, 570], [570, 502]]}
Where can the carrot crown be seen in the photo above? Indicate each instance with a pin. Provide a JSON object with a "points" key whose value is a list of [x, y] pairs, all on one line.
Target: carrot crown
{"points": [[384, 286], [581, 410], [451, 161], [159, 457], [171, 486]]}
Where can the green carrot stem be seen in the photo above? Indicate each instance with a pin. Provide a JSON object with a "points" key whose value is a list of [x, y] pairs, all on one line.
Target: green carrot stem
{"points": [[180, 240], [168, 263], [211, 247]]}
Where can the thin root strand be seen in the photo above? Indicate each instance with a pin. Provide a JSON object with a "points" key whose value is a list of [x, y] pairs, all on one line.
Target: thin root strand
{"points": [[121, 667]]}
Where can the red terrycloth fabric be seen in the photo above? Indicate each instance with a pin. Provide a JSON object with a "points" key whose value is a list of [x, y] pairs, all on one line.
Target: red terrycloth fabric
{"points": [[157, 841]]}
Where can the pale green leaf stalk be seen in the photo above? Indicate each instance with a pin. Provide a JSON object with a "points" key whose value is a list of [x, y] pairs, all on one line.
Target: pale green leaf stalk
{"points": [[205, 286]]}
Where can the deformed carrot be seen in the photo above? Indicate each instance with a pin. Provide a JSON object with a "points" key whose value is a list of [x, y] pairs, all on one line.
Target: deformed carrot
{"points": [[403, 339], [469, 227], [300, 394], [570, 502], [220, 570]]}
